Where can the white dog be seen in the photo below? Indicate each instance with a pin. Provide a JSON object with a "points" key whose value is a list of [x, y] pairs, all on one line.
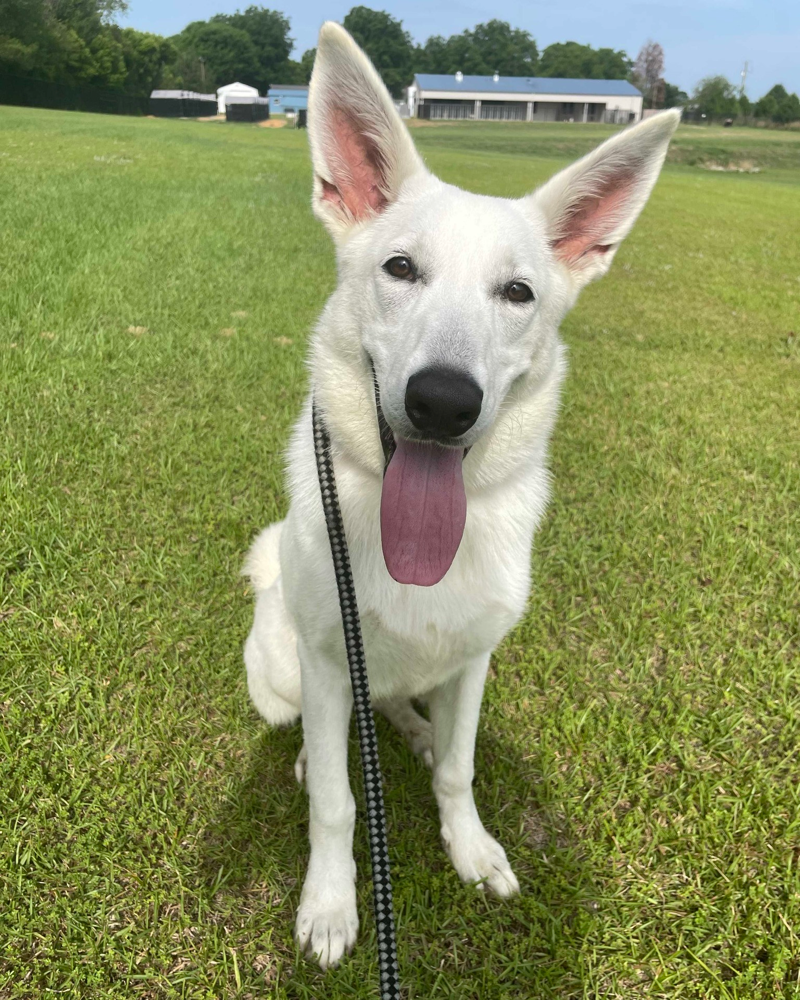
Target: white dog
{"points": [[446, 318]]}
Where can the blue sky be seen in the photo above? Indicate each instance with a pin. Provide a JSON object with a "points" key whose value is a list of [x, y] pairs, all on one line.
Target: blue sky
{"points": [[700, 37]]}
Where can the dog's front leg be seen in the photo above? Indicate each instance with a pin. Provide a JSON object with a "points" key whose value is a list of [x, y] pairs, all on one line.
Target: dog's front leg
{"points": [[455, 709], [327, 920]]}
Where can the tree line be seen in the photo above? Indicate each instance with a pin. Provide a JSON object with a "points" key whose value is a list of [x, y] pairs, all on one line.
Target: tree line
{"points": [[715, 97], [78, 42]]}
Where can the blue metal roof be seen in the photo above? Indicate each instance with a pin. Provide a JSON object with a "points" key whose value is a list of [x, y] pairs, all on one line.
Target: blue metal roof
{"points": [[525, 85]]}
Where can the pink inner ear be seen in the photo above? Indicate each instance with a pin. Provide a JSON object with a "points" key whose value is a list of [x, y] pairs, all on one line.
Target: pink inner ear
{"points": [[357, 165], [588, 222]]}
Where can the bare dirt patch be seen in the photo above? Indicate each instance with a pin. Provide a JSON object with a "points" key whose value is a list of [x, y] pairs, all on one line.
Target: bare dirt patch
{"points": [[743, 167]]}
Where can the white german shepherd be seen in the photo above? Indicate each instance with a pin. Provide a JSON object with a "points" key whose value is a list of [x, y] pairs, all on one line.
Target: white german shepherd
{"points": [[446, 318]]}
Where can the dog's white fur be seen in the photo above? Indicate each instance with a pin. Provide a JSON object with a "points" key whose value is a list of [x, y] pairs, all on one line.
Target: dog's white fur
{"points": [[378, 200]]}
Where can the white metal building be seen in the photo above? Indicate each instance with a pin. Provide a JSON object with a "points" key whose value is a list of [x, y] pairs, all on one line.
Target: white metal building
{"points": [[521, 98], [234, 93]]}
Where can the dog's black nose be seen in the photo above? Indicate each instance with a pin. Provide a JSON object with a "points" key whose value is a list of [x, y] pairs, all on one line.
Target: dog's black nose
{"points": [[443, 402]]}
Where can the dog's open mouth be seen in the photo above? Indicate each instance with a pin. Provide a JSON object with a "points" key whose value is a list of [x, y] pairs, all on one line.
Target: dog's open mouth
{"points": [[423, 506]]}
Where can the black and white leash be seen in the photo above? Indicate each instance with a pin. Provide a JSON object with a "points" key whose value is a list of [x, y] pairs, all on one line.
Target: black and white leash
{"points": [[373, 790]]}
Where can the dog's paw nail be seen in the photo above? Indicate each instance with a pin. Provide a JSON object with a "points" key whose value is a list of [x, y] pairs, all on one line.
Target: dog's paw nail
{"points": [[480, 860], [504, 883]]}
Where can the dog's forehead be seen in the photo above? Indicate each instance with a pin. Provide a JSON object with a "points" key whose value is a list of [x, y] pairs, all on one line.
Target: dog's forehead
{"points": [[446, 220]]}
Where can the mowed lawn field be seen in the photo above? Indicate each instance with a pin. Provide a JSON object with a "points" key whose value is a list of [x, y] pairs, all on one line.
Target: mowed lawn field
{"points": [[638, 749]]}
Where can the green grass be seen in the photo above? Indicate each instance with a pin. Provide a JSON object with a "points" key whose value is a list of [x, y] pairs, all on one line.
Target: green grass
{"points": [[637, 753], [694, 145]]}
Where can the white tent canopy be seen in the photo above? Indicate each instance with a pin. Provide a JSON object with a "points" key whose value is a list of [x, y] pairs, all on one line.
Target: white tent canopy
{"points": [[234, 93]]}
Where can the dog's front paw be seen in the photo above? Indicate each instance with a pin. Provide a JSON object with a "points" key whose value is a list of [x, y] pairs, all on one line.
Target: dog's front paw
{"points": [[327, 923], [478, 858]]}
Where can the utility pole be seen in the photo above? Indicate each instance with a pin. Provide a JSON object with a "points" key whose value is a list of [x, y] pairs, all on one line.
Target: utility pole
{"points": [[744, 79]]}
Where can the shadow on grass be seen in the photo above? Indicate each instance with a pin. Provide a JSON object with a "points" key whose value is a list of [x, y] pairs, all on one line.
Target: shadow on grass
{"points": [[262, 822], [255, 847]]}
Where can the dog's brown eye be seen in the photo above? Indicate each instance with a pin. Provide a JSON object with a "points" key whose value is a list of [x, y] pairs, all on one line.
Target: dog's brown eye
{"points": [[518, 292], [400, 267]]}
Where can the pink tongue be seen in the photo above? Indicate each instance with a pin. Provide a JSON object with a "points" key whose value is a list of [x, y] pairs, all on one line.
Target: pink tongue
{"points": [[423, 511]]}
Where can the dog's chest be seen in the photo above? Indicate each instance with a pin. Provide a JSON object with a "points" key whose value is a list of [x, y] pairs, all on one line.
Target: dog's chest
{"points": [[409, 663], [416, 638]]}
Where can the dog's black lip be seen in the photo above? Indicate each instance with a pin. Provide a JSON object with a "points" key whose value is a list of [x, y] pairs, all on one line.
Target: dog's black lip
{"points": [[387, 437], [388, 442]]}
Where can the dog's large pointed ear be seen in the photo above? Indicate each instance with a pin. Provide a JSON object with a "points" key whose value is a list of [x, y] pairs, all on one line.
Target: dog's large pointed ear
{"points": [[361, 151], [590, 207]]}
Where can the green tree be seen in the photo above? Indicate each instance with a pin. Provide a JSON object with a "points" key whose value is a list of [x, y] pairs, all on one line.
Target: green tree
{"points": [[432, 57], [76, 42], [777, 94], [307, 64], [23, 29], [575, 61], [16, 56], [293, 71], [500, 48], [211, 54], [106, 61], [487, 48], [147, 57], [389, 47], [290, 71], [789, 109], [269, 32], [449, 55], [715, 97], [674, 97], [766, 107], [778, 105]]}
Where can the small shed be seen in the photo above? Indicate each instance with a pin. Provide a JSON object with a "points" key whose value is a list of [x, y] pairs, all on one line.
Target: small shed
{"points": [[287, 98], [234, 93]]}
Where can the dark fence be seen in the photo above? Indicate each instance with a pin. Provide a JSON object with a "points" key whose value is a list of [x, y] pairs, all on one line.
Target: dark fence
{"points": [[497, 111], [182, 104], [520, 111], [446, 110], [29, 93]]}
